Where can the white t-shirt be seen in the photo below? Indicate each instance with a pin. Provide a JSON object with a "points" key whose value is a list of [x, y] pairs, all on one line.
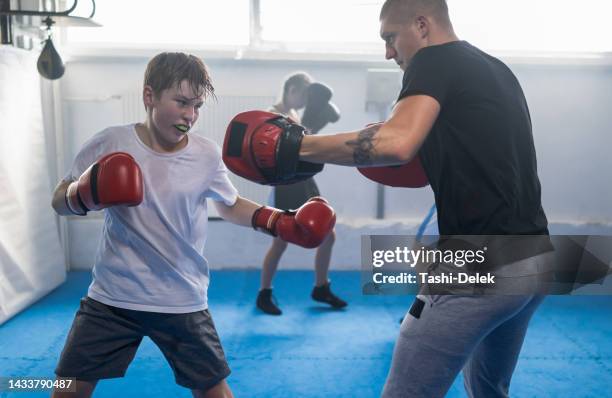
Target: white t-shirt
{"points": [[151, 256]]}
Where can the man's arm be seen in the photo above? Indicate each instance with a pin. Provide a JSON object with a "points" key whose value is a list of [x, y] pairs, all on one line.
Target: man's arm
{"points": [[395, 141]]}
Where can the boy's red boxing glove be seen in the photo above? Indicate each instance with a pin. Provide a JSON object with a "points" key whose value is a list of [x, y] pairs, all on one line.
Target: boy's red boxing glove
{"points": [[308, 226], [113, 180]]}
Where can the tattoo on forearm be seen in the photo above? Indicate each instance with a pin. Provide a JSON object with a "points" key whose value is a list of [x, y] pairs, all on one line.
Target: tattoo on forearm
{"points": [[363, 146]]}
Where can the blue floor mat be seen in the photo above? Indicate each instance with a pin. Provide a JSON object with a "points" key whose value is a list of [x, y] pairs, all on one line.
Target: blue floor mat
{"points": [[313, 351]]}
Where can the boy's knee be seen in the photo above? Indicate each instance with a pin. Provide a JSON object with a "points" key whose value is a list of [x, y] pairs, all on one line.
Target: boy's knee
{"points": [[220, 390], [82, 389]]}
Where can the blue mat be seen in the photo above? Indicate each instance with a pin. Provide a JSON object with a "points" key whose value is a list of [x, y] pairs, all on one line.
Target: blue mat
{"points": [[312, 351]]}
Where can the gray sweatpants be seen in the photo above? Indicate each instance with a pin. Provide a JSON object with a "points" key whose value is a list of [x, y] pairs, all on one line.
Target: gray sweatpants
{"points": [[482, 334]]}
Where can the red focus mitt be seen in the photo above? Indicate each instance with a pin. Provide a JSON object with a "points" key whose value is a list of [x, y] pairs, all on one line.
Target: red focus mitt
{"points": [[408, 175], [264, 147]]}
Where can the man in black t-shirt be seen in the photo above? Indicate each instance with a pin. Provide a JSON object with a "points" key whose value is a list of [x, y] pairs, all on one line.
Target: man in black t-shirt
{"points": [[465, 114]]}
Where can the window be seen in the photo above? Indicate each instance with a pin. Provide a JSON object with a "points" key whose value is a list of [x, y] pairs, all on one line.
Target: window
{"points": [[524, 26], [334, 21], [344, 26], [185, 23], [530, 26]]}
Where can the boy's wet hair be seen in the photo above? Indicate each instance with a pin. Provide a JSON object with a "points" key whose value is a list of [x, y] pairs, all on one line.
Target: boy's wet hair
{"points": [[169, 69]]}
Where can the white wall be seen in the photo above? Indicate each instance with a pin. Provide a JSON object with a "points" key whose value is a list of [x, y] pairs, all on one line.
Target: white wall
{"points": [[572, 122], [570, 108]]}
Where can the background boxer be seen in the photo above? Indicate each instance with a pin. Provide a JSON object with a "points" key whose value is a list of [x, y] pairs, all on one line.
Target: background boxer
{"points": [[299, 92]]}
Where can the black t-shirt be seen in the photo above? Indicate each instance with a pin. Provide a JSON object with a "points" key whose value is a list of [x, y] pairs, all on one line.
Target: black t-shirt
{"points": [[479, 155]]}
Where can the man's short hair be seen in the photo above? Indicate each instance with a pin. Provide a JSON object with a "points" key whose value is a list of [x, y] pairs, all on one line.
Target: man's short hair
{"points": [[169, 69], [299, 79], [404, 10]]}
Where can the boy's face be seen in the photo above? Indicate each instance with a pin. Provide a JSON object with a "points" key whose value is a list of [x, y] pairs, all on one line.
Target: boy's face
{"points": [[173, 112]]}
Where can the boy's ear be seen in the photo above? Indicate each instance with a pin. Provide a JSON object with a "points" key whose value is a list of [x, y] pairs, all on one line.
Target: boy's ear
{"points": [[147, 96]]}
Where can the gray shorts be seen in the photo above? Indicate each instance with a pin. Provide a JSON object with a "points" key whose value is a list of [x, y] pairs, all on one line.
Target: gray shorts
{"points": [[479, 334], [103, 341]]}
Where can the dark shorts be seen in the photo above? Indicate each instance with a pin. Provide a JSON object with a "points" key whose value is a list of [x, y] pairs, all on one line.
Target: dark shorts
{"points": [[103, 341], [291, 197]]}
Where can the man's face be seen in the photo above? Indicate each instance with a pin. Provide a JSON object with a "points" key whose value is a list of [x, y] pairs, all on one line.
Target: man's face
{"points": [[402, 40], [175, 112]]}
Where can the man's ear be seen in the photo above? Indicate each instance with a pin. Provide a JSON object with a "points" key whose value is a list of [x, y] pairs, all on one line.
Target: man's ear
{"points": [[148, 96], [422, 24]]}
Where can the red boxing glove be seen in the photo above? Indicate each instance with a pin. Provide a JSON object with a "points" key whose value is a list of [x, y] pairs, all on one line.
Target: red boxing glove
{"points": [[264, 147], [306, 227], [113, 180], [409, 175]]}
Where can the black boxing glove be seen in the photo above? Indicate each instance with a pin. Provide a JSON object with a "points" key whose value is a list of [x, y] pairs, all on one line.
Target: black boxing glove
{"points": [[319, 110]]}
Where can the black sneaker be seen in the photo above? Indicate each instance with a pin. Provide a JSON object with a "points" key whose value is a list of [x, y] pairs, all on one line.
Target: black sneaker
{"points": [[267, 303], [324, 294]]}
